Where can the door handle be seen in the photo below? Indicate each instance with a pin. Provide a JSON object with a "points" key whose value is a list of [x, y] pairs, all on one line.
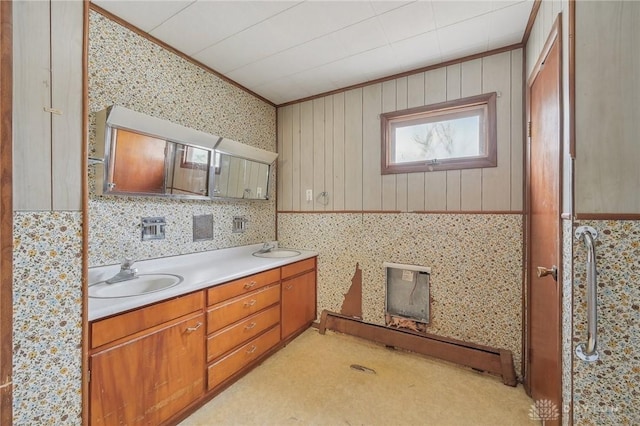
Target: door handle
{"points": [[192, 329], [543, 272]]}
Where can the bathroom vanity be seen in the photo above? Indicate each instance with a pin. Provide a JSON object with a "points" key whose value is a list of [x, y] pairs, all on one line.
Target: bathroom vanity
{"points": [[156, 363]]}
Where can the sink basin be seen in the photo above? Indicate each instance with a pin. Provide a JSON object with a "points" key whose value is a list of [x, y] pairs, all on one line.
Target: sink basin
{"points": [[274, 253], [144, 284]]}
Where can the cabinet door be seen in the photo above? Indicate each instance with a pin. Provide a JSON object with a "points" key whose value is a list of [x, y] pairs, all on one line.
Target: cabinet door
{"points": [[298, 303], [150, 378]]}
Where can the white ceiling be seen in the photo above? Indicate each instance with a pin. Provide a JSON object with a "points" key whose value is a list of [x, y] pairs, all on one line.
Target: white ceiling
{"points": [[288, 50]]}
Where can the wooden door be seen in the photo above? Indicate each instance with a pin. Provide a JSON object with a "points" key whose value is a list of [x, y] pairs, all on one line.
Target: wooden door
{"points": [[298, 303], [139, 163], [544, 322], [6, 213], [149, 379]]}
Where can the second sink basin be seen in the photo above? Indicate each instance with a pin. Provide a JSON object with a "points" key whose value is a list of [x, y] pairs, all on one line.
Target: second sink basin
{"points": [[145, 283], [277, 252]]}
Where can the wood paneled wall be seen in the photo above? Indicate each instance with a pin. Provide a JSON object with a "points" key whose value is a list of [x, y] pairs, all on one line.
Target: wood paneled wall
{"points": [[48, 76], [549, 10], [333, 144], [6, 215], [607, 108]]}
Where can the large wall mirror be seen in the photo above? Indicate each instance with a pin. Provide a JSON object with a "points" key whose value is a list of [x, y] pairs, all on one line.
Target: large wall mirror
{"points": [[144, 155], [240, 178], [241, 171], [142, 164]]}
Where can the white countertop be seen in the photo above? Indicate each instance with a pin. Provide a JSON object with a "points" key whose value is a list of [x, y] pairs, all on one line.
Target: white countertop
{"points": [[200, 270]]}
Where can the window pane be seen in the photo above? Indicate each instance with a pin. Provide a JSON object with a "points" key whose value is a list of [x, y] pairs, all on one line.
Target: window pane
{"points": [[441, 140], [453, 135]]}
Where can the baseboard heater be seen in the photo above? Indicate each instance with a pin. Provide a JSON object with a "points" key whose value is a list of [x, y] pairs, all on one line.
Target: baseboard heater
{"points": [[484, 358]]}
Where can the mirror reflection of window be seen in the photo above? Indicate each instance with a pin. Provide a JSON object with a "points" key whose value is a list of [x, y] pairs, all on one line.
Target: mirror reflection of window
{"points": [[190, 171], [194, 158]]}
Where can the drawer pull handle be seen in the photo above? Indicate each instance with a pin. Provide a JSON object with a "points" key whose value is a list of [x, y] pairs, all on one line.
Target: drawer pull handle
{"points": [[252, 350], [288, 287], [250, 326], [250, 303], [250, 285], [192, 329]]}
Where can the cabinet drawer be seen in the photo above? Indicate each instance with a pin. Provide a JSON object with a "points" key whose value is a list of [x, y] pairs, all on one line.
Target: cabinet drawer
{"points": [[110, 329], [228, 338], [298, 267], [242, 286], [226, 367], [236, 309]]}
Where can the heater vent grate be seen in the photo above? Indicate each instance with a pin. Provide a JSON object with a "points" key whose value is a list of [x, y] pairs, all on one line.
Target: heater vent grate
{"points": [[407, 295]]}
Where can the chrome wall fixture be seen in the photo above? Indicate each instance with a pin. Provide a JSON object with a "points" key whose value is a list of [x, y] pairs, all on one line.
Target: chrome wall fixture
{"points": [[588, 351], [153, 228]]}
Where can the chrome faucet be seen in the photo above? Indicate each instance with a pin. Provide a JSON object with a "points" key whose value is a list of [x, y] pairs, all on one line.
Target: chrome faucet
{"points": [[126, 272], [266, 247]]}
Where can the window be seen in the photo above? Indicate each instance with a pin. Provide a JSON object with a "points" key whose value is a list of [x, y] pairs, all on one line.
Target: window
{"points": [[459, 134]]}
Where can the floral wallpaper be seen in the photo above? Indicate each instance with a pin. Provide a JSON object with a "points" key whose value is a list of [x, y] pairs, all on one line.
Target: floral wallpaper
{"points": [[475, 260], [47, 318], [129, 70], [607, 391]]}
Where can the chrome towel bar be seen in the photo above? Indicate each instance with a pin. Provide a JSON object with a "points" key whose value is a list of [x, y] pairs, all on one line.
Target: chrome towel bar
{"points": [[588, 351]]}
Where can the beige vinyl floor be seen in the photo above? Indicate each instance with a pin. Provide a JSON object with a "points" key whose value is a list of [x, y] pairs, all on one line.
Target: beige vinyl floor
{"points": [[311, 382]]}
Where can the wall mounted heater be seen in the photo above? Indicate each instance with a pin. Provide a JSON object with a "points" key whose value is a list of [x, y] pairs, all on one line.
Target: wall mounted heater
{"points": [[407, 296]]}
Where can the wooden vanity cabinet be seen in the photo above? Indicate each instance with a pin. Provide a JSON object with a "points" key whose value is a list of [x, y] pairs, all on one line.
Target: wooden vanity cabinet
{"points": [[243, 323], [151, 365], [298, 296], [154, 364]]}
